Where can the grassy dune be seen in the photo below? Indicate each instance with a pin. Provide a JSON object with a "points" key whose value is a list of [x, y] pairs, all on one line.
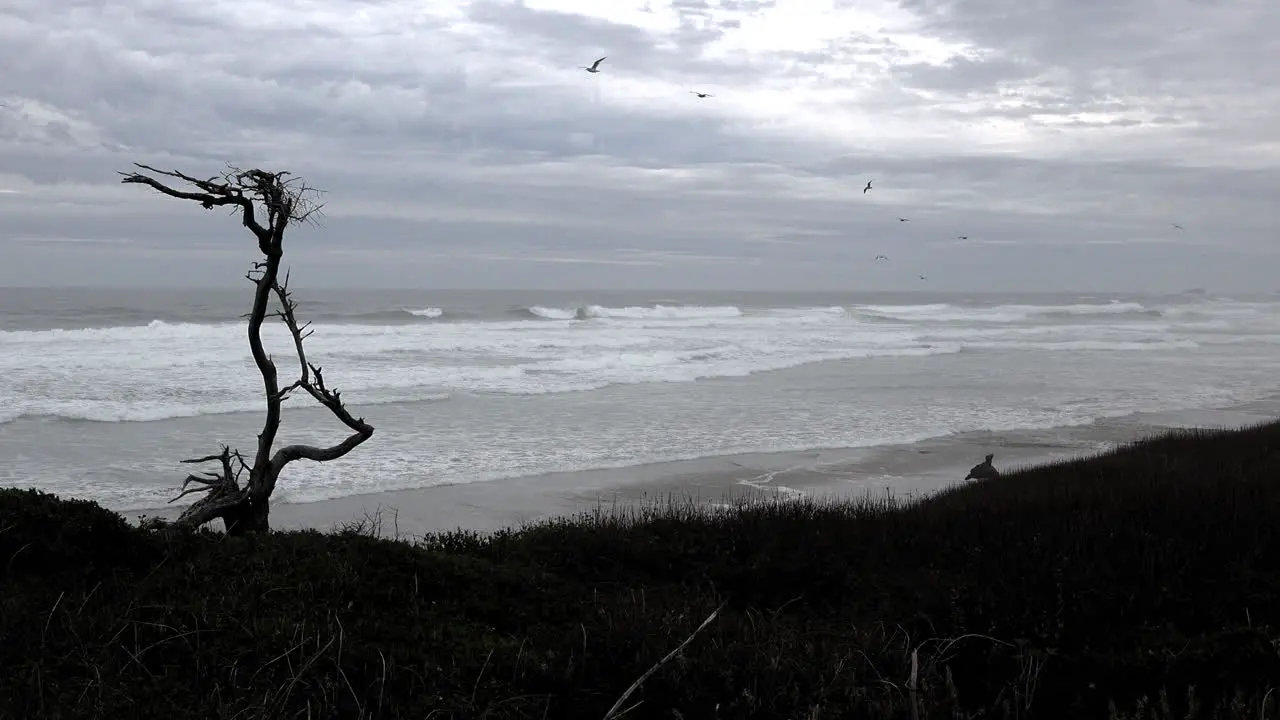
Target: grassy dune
{"points": [[1142, 583]]}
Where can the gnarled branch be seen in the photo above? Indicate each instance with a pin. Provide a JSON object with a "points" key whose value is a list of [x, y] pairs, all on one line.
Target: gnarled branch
{"points": [[222, 489], [311, 379], [282, 198]]}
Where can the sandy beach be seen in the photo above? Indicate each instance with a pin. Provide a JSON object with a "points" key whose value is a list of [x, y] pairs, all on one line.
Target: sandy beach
{"points": [[905, 471]]}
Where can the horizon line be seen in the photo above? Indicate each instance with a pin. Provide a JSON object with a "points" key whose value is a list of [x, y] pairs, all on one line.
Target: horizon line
{"points": [[647, 289]]}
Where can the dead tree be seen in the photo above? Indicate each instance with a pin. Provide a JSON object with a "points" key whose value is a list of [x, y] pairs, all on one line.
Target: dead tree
{"points": [[283, 199]]}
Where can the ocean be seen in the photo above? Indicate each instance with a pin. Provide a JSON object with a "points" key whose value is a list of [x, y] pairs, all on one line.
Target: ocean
{"points": [[106, 390]]}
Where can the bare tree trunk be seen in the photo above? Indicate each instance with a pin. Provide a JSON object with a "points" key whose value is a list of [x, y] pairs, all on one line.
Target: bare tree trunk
{"points": [[247, 509]]}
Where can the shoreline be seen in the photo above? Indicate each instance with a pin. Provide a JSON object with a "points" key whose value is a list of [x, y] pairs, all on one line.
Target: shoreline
{"points": [[906, 469]]}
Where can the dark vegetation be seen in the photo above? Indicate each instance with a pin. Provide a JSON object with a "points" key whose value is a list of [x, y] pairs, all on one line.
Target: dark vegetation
{"points": [[1143, 583]]}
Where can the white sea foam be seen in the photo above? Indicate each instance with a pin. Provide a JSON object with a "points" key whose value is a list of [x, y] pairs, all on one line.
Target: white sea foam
{"points": [[944, 313], [666, 312], [167, 370], [431, 312], [554, 313]]}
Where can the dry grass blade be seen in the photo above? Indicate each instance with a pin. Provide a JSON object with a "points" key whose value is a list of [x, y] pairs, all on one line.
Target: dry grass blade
{"points": [[913, 685], [613, 711]]}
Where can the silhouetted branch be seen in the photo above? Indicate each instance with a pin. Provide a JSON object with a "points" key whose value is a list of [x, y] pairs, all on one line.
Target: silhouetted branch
{"points": [[282, 198], [311, 380]]}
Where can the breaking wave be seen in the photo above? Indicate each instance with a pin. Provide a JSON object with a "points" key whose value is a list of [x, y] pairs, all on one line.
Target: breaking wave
{"points": [[946, 313], [143, 372], [634, 312], [431, 312]]}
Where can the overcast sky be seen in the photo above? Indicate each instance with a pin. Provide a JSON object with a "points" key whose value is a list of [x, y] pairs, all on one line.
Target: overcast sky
{"points": [[462, 145]]}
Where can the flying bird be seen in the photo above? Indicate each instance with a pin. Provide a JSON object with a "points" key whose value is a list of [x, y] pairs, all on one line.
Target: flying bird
{"points": [[962, 237], [1178, 226], [701, 95], [882, 257], [923, 277], [903, 220], [595, 66], [868, 187]]}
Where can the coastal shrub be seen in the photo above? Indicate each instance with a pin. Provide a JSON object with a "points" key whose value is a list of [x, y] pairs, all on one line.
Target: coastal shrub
{"points": [[1139, 583], [44, 536]]}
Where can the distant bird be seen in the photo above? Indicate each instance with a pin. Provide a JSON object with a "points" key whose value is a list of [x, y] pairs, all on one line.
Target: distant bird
{"points": [[595, 66], [903, 220], [923, 277], [701, 95], [983, 471], [1178, 226], [882, 257], [962, 237], [868, 187]]}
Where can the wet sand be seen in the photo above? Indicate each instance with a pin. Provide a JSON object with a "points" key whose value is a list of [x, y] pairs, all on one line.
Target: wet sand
{"points": [[904, 471]]}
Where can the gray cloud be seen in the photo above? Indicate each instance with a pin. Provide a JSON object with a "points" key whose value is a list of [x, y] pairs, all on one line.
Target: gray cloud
{"points": [[1207, 63], [459, 143]]}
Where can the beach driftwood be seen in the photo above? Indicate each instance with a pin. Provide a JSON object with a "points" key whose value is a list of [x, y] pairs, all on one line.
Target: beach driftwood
{"points": [[282, 199]]}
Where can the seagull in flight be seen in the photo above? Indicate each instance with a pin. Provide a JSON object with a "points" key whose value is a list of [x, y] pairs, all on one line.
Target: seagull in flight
{"points": [[701, 94], [868, 187], [1178, 226], [903, 220], [882, 257], [595, 66], [922, 277], [962, 237]]}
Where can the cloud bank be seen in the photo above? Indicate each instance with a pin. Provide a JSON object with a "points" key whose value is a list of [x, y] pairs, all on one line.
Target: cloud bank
{"points": [[461, 145]]}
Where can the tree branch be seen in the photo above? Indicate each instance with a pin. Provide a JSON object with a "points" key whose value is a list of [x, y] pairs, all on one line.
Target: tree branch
{"points": [[312, 381], [212, 194], [283, 199], [222, 490]]}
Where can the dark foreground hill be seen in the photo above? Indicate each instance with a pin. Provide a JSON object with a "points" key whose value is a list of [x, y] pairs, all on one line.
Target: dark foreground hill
{"points": [[1143, 583]]}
